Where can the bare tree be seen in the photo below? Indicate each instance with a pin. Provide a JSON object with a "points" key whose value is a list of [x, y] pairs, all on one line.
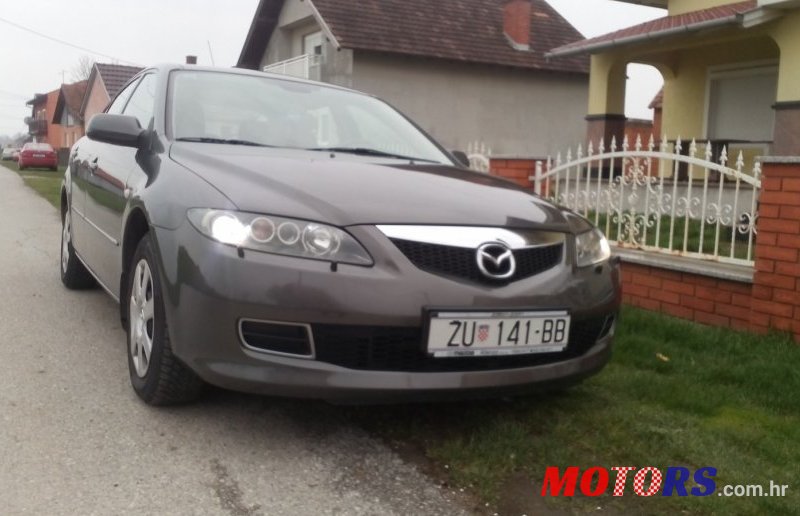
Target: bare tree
{"points": [[82, 70]]}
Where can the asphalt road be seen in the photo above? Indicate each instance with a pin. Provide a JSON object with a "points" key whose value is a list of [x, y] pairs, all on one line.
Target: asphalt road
{"points": [[74, 439]]}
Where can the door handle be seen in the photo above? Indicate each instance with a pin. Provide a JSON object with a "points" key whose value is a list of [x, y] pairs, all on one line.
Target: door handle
{"points": [[93, 165]]}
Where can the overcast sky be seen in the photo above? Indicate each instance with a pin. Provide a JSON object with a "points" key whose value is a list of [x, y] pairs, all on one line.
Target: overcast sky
{"points": [[152, 31]]}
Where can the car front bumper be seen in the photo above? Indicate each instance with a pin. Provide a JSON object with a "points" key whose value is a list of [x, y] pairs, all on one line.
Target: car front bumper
{"points": [[209, 288]]}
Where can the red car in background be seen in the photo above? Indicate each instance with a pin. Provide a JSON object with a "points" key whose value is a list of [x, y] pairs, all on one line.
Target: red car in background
{"points": [[38, 155]]}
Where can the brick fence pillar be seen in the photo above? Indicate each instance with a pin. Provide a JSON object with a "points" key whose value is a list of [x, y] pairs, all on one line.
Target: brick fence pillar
{"points": [[518, 170], [776, 286]]}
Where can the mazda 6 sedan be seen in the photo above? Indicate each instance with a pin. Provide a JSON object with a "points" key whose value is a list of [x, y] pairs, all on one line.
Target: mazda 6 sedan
{"points": [[278, 236]]}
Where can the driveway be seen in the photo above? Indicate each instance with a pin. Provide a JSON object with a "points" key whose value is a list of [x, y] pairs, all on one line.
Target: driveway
{"points": [[74, 439]]}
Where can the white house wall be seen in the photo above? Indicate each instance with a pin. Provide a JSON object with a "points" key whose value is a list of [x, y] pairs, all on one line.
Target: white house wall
{"points": [[97, 101], [516, 112], [296, 20], [294, 11]]}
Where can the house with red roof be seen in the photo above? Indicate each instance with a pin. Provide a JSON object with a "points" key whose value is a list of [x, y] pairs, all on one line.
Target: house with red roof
{"points": [[105, 81], [67, 114], [465, 70], [730, 68], [40, 123]]}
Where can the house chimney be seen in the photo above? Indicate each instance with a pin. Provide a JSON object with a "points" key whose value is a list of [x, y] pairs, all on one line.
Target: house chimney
{"points": [[191, 60], [517, 23]]}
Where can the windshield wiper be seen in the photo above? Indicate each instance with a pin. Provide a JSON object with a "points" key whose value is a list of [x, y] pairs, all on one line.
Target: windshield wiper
{"points": [[364, 151], [226, 141]]}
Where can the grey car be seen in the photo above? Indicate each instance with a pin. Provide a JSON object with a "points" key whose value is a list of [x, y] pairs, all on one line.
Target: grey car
{"points": [[278, 236]]}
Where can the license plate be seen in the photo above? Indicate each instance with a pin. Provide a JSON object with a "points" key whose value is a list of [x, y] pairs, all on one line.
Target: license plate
{"points": [[475, 334], [38, 155]]}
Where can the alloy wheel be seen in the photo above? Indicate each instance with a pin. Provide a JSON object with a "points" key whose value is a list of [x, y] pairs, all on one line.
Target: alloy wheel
{"points": [[141, 318], [66, 238]]}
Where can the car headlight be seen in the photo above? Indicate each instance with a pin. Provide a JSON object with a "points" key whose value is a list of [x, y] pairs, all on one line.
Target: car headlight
{"points": [[591, 248], [279, 235]]}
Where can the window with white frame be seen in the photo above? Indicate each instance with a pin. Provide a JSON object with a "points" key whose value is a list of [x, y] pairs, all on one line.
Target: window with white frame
{"points": [[740, 104]]}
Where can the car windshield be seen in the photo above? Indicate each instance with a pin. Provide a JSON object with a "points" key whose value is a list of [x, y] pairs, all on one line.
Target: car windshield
{"points": [[215, 107]]}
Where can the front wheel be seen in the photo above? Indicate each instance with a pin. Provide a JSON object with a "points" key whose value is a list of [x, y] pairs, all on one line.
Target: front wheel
{"points": [[157, 376]]}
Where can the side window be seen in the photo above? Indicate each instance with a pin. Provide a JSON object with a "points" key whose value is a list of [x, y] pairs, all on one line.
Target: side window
{"points": [[143, 101], [118, 104]]}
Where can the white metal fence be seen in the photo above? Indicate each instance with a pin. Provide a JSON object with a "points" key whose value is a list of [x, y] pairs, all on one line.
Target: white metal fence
{"points": [[479, 155], [634, 194]]}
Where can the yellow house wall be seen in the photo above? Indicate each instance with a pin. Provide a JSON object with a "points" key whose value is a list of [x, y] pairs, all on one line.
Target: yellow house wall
{"points": [[685, 93], [786, 34], [685, 6], [607, 81], [686, 63], [685, 77]]}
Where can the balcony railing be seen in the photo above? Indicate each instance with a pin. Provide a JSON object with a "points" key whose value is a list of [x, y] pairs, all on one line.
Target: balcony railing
{"points": [[306, 66], [37, 127]]}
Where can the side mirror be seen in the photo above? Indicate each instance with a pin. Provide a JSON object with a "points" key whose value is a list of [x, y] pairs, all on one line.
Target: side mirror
{"points": [[119, 130], [461, 157]]}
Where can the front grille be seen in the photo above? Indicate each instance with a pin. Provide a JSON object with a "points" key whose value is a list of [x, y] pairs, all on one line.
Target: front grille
{"points": [[461, 262], [377, 348]]}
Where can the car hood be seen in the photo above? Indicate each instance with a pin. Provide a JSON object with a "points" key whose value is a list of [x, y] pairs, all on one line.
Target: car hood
{"points": [[347, 190]]}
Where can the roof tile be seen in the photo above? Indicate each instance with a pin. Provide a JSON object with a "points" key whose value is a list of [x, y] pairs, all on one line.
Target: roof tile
{"points": [[461, 30], [661, 25], [115, 76], [73, 96]]}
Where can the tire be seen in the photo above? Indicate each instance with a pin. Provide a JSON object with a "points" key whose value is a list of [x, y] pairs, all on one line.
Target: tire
{"points": [[158, 378], [74, 274]]}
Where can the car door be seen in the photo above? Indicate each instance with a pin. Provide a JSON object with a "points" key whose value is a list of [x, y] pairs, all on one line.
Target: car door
{"points": [[110, 168], [85, 238]]}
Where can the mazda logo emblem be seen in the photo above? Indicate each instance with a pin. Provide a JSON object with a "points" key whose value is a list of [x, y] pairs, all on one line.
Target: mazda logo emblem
{"points": [[496, 261]]}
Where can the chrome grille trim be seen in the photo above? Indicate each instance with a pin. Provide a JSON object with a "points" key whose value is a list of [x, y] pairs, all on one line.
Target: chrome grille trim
{"points": [[472, 237]]}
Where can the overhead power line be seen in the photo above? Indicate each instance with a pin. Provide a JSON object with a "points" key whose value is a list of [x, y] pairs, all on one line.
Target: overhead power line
{"points": [[62, 42], [10, 94]]}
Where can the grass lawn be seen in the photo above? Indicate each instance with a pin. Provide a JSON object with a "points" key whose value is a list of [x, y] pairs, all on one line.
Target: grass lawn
{"points": [[45, 182], [659, 235], [723, 399]]}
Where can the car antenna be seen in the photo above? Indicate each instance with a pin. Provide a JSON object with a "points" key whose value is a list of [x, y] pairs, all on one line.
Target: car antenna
{"points": [[210, 53]]}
